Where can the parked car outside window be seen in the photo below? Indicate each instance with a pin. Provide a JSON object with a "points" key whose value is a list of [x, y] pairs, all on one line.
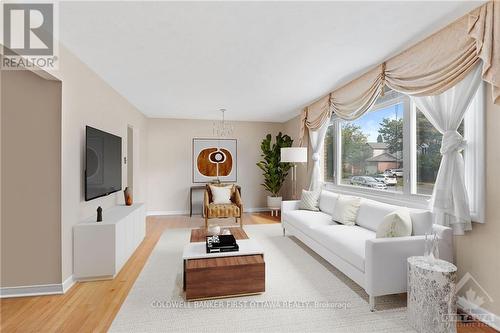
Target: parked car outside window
{"points": [[394, 172], [368, 182], [388, 180]]}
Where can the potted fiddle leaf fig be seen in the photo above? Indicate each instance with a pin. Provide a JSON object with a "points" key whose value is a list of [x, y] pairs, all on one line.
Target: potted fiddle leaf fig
{"points": [[274, 171]]}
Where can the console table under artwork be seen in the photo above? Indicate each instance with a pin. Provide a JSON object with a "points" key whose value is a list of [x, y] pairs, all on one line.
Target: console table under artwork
{"points": [[432, 306]]}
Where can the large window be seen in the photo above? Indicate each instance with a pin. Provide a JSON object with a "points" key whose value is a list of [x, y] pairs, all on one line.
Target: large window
{"points": [[372, 146], [393, 151]]}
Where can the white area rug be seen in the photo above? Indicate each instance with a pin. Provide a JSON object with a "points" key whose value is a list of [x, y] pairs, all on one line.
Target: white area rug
{"points": [[303, 294]]}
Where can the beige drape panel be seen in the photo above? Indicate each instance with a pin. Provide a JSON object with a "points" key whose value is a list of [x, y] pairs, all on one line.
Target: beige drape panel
{"points": [[484, 28], [314, 116], [428, 68]]}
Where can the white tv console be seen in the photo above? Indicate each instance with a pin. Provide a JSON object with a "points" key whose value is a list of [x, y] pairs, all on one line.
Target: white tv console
{"points": [[100, 249]]}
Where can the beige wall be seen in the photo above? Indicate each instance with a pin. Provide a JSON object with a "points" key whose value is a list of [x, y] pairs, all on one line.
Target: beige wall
{"points": [[478, 251], [88, 100], [169, 155], [31, 179]]}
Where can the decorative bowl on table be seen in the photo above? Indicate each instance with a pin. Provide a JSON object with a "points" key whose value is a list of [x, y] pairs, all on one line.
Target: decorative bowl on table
{"points": [[213, 230]]}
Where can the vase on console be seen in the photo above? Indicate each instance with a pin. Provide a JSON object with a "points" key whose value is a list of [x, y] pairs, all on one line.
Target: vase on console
{"points": [[127, 193]]}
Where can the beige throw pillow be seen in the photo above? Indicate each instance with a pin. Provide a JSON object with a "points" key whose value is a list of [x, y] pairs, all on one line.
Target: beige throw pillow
{"points": [[309, 200], [346, 210], [221, 194], [395, 224]]}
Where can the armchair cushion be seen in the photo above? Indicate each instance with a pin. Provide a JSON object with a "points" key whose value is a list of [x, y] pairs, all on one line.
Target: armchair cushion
{"points": [[223, 210], [221, 194]]}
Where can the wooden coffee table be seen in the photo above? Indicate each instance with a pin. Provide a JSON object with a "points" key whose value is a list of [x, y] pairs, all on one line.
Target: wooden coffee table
{"points": [[226, 274]]}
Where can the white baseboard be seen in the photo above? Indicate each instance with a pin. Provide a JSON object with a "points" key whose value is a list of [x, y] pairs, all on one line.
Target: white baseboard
{"points": [[167, 212], [479, 313], [256, 210], [68, 283], [186, 212], [37, 290]]}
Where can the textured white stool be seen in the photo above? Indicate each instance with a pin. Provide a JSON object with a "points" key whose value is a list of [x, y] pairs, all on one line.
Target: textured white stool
{"points": [[432, 305]]}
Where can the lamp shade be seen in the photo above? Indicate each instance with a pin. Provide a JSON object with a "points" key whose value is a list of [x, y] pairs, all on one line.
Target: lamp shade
{"points": [[294, 154]]}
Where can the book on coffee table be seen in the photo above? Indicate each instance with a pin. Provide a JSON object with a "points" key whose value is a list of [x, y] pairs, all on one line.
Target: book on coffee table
{"points": [[221, 243]]}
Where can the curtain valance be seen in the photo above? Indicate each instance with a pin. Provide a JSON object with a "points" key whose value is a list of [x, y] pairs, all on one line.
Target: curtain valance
{"points": [[428, 68], [314, 116]]}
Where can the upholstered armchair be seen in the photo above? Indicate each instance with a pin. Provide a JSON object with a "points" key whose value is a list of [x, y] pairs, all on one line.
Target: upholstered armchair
{"points": [[234, 209]]}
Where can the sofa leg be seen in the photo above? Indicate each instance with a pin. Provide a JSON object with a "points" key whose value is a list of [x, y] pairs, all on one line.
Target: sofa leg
{"points": [[371, 300], [284, 232], [241, 221], [206, 222]]}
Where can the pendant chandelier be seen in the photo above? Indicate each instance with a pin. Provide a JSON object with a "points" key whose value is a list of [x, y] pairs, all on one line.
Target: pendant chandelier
{"points": [[222, 128]]}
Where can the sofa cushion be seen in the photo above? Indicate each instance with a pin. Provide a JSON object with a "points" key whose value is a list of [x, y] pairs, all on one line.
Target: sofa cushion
{"points": [[346, 210], [348, 242], [309, 200], [396, 224], [421, 221], [371, 213], [327, 201], [305, 219]]}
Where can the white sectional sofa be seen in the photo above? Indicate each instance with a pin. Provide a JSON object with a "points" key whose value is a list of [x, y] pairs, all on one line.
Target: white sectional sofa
{"points": [[376, 264]]}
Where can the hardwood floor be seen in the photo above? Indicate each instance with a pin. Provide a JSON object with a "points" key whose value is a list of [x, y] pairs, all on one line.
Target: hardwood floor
{"points": [[92, 306]]}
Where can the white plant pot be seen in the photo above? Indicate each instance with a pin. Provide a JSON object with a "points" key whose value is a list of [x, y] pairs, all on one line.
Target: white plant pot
{"points": [[274, 202]]}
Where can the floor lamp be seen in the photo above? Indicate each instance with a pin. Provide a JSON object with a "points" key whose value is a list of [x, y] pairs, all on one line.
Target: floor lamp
{"points": [[294, 155]]}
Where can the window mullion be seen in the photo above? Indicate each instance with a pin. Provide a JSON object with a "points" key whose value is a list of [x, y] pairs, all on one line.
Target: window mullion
{"points": [[474, 155], [338, 152], [413, 148], [407, 129]]}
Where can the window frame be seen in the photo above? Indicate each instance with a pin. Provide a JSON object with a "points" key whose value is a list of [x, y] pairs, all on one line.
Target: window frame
{"points": [[474, 126]]}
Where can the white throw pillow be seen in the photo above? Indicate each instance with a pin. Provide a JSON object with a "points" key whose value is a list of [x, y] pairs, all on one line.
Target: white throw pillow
{"points": [[395, 224], [421, 222], [221, 194], [346, 210], [309, 200]]}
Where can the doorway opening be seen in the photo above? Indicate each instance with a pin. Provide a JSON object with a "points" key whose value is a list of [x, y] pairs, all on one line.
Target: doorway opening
{"points": [[130, 157]]}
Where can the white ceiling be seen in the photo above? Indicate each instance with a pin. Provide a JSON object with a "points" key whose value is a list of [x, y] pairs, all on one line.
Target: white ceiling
{"points": [[261, 61]]}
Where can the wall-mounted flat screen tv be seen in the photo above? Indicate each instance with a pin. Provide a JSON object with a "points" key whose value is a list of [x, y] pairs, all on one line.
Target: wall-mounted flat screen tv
{"points": [[103, 167]]}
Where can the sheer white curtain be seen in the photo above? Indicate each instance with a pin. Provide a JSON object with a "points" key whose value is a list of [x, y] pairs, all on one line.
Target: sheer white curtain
{"points": [[317, 140], [449, 202]]}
